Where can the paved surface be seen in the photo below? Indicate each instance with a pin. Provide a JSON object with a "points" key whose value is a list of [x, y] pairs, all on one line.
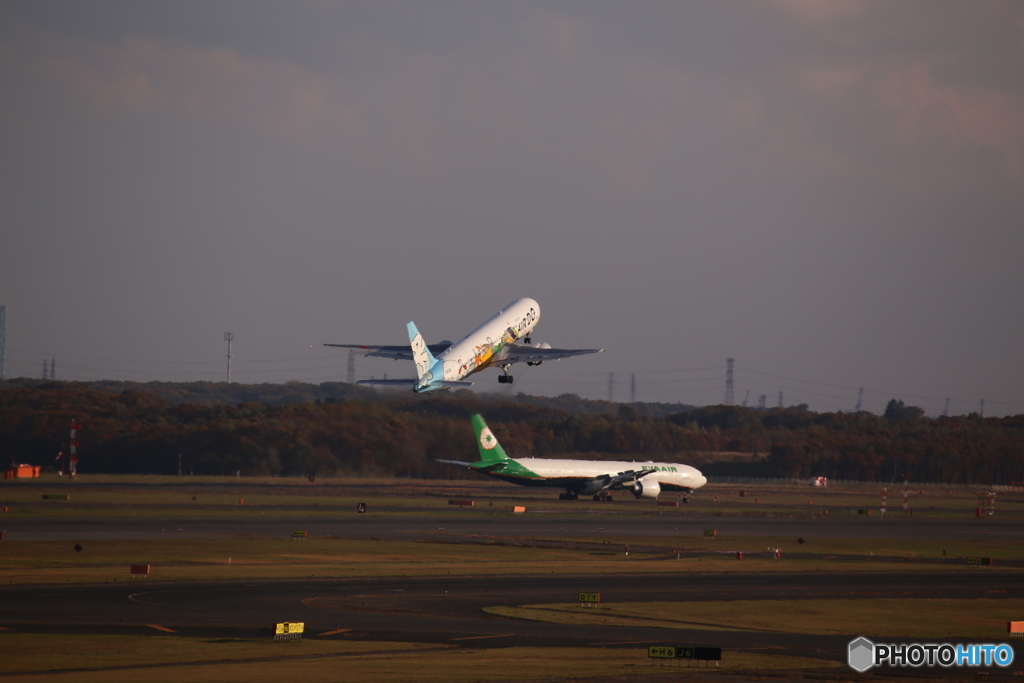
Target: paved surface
{"points": [[395, 526], [448, 610]]}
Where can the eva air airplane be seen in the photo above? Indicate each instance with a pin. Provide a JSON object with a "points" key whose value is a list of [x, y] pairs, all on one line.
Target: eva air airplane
{"points": [[581, 477]]}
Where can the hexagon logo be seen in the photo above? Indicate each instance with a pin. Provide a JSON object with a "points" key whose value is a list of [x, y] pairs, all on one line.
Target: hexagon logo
{"points": [[861, 655]]}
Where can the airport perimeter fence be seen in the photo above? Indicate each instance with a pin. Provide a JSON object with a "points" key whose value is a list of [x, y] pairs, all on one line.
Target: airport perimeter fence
{"points": [[892, 485]]}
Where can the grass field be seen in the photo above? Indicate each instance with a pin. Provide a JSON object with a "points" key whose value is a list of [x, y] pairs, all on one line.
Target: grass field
{"points": [[232, 559], [171, 658], [228, 559], [166, 657], [985, 618]]}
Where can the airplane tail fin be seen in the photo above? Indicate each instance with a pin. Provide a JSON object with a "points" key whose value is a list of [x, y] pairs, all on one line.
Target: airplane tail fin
{"points": [[490, 449], [421, 355]]}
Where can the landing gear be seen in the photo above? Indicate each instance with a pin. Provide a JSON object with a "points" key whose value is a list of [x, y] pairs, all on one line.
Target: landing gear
{"points": [[603, 497], [686, 497], [505, 378], [568, 495], [527, 340]]}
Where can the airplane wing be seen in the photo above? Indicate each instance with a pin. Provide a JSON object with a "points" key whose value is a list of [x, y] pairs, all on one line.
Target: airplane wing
{"points": [[521, 353], [411, 382], [604, 482], [622, 477], [392, 352]]}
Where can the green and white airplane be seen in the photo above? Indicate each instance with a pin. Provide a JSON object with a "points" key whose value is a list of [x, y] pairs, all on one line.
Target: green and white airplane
{"points": [[595, 478]]}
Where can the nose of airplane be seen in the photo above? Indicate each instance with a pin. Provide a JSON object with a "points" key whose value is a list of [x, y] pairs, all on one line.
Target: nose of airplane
{"points": [[701, 479]]}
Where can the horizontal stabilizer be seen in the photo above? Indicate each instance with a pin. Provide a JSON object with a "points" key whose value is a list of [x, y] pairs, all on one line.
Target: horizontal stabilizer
{"points": [[475, 465], [442, 384], [455, 462]]}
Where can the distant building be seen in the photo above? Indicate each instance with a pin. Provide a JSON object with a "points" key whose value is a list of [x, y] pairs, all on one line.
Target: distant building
{"points": [[819, 481]]}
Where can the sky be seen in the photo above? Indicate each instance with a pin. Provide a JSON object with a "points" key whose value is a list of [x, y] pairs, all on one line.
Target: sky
{"points": [[831, 193]]}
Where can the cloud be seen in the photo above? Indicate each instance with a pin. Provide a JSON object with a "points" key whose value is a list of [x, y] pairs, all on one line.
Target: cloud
{"points": [[956, 118], [168, 78], [817, 12], [558, 92]]}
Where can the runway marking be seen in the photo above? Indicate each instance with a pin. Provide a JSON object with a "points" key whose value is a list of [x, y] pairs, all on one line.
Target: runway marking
{"points": [[337, 630], [162, 628], [500, 635]]}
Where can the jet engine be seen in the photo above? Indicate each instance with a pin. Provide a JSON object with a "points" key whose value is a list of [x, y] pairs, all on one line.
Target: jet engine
{"points": [[538, 345], [646, 488]]}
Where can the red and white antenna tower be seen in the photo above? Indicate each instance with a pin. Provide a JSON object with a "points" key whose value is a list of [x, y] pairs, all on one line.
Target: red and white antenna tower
{"points": [[73, 453]]}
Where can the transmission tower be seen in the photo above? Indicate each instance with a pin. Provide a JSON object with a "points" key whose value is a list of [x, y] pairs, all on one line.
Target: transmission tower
{"points": [[728, 381], [982, 412], [229, 337], [860, 400], [53, 368], [3, 340], [632, 388], [611, 387], [73, 451], [762, 401], [945, 411], [46, 371], [746, 398], [350, 376]]}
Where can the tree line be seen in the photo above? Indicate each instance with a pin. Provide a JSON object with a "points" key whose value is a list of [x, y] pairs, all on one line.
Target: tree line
{"points": [[341, 429]]}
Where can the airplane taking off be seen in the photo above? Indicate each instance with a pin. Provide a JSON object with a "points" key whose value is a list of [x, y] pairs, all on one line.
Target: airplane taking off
{"points": [[495, 343], [595, 478]]}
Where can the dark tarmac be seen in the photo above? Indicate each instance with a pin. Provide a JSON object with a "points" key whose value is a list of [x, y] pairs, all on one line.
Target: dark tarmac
{"points": [[448, 610], [539, 524]]}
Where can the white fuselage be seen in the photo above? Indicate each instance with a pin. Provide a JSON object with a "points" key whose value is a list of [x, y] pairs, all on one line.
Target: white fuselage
{"points": [[486, 345], [669, 474]]}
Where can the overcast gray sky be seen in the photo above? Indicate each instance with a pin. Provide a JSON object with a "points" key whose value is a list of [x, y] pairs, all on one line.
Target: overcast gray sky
{"points": [[832, 193]]}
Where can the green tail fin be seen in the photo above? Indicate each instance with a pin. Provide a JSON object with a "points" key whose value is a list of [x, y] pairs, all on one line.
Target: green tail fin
{"points": [[490, 449]]}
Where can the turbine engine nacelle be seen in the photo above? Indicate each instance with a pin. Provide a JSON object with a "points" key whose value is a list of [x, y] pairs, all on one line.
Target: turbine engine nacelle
{"points": [[646, 488], [538, 345]]}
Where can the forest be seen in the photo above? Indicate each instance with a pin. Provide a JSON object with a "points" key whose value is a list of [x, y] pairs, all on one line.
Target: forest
{"points": [[340, 429]]}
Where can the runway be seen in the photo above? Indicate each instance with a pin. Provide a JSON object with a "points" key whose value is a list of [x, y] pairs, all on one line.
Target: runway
{"points": [[398, 527], [448, 610]]}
